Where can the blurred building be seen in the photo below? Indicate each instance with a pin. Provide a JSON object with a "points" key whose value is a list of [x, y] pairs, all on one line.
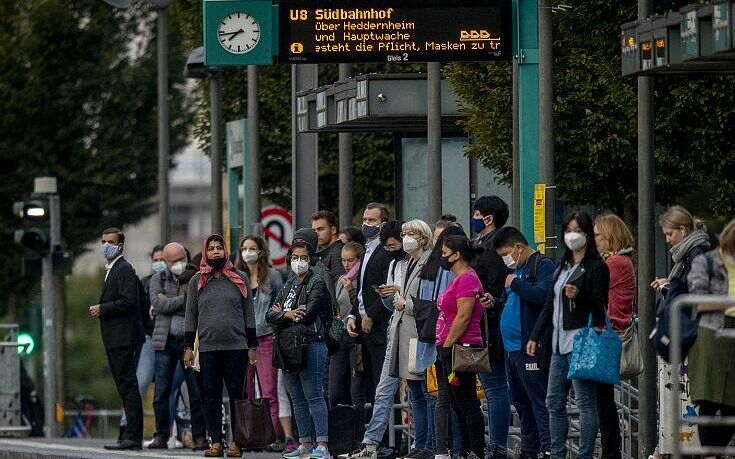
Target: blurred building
{"points": [[190, 217]]}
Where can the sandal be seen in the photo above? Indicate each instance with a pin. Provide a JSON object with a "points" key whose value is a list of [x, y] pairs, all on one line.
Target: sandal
{"points": [[215, 450]]}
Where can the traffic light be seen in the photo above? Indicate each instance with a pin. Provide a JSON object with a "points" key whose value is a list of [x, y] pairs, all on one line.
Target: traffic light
{"points": [[34, 236]]}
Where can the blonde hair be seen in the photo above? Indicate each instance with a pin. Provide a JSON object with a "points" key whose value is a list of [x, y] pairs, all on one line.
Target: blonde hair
{"points": [[677, 217], [727, 238], [615, 231], [420, 227]]}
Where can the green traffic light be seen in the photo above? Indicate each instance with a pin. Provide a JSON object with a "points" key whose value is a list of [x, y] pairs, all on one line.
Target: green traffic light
{"points": [[25, 343]]}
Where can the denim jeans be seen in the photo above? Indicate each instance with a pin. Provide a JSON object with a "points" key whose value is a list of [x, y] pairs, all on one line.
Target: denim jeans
{"points": [[495, 385], [422, 407], [307, 394], [556, 402], [218, 367], [144, 372], [384, 394], [527, 383], [193, 387], [167, 361]]}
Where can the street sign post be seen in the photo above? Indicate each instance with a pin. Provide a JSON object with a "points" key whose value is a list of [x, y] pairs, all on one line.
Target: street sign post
{"points": [[318, 31]]}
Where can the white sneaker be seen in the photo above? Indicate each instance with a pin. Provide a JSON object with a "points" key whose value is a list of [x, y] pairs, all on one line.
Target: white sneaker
{"points": [[442, 456], [364, 452], [174, 443]]}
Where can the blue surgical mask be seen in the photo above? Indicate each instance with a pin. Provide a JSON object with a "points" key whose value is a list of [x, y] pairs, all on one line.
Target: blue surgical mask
{"points": [[478, 224], [158, 266], [110, 251]]}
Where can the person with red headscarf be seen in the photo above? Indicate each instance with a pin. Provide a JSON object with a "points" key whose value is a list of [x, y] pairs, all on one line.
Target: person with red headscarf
{"points": [[219, 308]]}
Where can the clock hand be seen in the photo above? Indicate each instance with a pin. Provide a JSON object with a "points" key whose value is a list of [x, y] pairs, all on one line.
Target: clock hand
{"points": [[230, 33], [235, 34]]}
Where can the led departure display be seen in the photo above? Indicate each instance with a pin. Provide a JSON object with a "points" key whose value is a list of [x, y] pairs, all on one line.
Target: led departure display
{"points": [[315, 31]]}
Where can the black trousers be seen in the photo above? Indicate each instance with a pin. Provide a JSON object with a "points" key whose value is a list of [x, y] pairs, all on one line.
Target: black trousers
{"points": [[123, 363], [463, 399], [218, 367], [340, 373], [609, 421], [365, 382], [715, 435]]}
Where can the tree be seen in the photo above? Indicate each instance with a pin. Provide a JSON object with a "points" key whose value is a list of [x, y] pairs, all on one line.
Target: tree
{"points": [[595, 117], [78, 101]]}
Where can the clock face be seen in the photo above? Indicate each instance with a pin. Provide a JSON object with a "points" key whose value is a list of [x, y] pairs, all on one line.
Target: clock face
{"points": [[238, 33]]}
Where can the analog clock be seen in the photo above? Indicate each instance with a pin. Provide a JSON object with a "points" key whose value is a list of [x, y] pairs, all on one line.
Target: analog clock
{"points": [[238, 32]]}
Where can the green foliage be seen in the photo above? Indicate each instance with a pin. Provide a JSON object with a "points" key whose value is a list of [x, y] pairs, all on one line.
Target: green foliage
{"points": [[78, 101], [373, 152], [595, 122], [86, 370]]}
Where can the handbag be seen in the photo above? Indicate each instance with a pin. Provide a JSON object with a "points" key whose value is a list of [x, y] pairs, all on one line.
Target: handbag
{"points": [[631, 359], [473, 359], [426, 314], [596, 356], [253, 427]]}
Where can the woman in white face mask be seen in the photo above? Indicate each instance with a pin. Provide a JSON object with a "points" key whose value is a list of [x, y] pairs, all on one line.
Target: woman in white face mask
{"points": [[416, 240], [581, 285], [300, 317], [253, 259]]}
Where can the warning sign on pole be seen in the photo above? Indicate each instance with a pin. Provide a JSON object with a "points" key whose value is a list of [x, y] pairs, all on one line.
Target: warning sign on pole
{"points": [[278, 231], [539, 216]]}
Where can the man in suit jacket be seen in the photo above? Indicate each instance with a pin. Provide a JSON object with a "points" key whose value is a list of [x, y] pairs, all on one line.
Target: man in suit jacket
{"points": [[122, 333], [369, 319]]}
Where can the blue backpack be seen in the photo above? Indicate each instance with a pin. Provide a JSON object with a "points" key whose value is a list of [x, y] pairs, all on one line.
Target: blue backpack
{"points": [[661, 335]]}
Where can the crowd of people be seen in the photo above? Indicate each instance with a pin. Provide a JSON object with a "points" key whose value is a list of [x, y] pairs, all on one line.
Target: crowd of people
{"points": [[359, 311]]}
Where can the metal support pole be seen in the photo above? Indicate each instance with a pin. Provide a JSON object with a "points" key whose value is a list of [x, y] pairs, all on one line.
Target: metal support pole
{"points": [[215, 113], [346, 205], [434, 139], [647, 431], [49, 322], [304, 152], [516, 185], [253, 178], [163, 124], [546, 114]]}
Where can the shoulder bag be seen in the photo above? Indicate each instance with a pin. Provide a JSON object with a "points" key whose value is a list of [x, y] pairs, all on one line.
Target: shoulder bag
{"points": [[472, 359], [596, 356], [631, 359], [426, 313]]}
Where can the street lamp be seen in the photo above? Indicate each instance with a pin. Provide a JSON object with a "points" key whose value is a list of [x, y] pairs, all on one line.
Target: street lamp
{"points": [[163, 109], [196, 69]]}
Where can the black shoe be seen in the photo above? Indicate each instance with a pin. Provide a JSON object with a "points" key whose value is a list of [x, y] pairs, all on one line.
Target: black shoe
{"points": [[121, 434], [200, 444], [125, 445], [159, 442]]}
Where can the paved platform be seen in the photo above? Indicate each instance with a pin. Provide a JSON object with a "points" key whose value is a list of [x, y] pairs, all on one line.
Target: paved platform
{"points": [[65, 448]]}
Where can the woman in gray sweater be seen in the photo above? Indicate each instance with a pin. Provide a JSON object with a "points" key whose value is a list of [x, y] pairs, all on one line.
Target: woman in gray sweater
{"points": [[219, 309]]}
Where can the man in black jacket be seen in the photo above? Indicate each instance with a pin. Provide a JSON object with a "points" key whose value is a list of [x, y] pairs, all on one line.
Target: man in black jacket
{"points": [[490, 213], [324, 223], [122, 333], [369, 319]]}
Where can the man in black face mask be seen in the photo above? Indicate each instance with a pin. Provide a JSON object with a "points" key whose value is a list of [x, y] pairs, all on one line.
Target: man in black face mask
{"points": [[369, 319]]}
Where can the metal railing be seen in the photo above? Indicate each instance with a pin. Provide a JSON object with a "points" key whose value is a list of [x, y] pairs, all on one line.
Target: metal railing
{"points": [[675, 349]]}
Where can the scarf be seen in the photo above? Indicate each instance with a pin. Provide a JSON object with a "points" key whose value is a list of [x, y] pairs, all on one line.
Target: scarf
{"points": [[353, 272], [680, 252], [206, 271], [627, 251]]}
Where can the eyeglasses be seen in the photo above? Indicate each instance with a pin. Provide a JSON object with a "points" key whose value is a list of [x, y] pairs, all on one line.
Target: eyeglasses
{"points": [[300, 258]]}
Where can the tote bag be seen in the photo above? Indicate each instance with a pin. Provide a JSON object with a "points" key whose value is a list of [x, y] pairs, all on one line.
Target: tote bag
{"points": [[253, 426], [596, 356], [631, 360]]}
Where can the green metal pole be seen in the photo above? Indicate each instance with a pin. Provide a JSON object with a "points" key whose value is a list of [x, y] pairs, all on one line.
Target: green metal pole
{"points": [[525, 48]]}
